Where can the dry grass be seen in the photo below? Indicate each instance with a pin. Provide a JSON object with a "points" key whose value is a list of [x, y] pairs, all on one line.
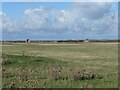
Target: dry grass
{"points": [[83, 65]]}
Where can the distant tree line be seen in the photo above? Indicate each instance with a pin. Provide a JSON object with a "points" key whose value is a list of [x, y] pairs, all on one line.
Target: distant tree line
{"points": [[74, 41]]}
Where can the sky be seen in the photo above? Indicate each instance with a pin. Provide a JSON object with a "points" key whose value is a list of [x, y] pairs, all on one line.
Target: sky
{"points": [[59, 20]]}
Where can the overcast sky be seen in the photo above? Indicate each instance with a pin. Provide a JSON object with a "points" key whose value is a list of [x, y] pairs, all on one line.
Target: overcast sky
{"points": [[66, 20]]}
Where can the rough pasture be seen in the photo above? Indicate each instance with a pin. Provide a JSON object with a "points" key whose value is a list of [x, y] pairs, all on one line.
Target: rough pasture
{"points": [[89, 65]]}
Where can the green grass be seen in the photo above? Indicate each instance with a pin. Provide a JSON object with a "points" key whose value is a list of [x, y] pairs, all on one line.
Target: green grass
{"points": [[40, 64]]}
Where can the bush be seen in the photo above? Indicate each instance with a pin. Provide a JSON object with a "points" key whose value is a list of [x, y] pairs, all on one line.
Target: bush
{"points": [[81, 75]]}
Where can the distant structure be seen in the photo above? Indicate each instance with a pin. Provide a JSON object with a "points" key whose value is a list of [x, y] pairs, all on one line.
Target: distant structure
{"points": [[55, 41], [28, 41], [87, 40]]}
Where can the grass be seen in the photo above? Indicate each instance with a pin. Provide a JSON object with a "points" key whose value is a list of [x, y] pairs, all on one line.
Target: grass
{"points": [[85, 65]]}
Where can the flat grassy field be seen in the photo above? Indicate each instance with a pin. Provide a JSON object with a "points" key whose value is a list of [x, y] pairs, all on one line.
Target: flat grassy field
{"points": [[83, 65]]}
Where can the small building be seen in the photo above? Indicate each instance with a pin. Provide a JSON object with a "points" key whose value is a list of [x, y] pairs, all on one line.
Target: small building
{"points": [[55, 41]]}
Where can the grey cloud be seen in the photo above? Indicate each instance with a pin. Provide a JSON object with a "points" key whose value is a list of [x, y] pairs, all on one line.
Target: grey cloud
{"points": [[94, 10]]}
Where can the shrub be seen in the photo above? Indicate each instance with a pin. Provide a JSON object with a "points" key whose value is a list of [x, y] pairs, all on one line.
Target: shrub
{"points": [[81, 75]]}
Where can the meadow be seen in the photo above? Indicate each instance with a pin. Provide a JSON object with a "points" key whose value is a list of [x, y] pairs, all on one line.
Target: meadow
{"points": [[82, 65]]}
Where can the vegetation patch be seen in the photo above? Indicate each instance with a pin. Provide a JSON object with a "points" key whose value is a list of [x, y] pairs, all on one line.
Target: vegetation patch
{"points": [[60, 66], [6, 60]]}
